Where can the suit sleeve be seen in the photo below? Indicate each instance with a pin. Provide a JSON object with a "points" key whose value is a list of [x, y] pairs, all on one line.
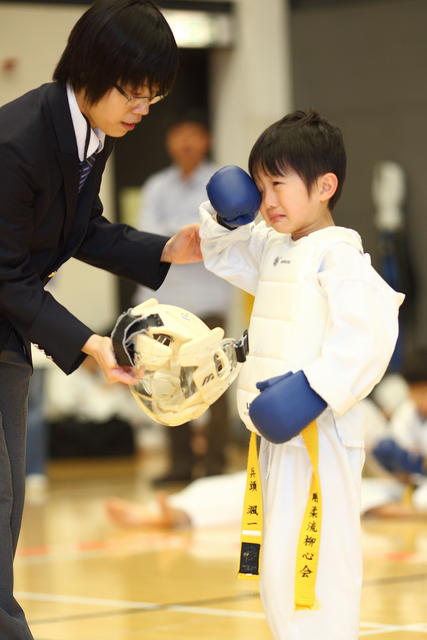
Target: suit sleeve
{"points": [[124, 251], [32, 310]]}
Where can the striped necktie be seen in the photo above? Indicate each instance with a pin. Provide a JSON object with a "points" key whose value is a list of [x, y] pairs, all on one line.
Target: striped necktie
{"points": [[85, 169]]}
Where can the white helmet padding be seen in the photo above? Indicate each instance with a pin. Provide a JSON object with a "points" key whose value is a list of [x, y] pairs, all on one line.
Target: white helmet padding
{"points": [[187, 365]]}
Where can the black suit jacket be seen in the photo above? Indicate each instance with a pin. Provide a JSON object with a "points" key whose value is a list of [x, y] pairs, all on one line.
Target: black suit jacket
{"points": [[43, 222]]}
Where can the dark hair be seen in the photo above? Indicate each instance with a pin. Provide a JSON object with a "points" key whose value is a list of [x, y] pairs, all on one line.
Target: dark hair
{"points": [[414, 367], [124, 42], [189, 116], [303, 142]]}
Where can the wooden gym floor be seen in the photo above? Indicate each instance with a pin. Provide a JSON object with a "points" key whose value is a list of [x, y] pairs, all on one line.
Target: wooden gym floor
{"points": [[80, 577]]}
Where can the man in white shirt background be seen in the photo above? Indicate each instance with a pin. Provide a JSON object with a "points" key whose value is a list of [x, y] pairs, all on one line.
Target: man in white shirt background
{"points": [[170, 198]]}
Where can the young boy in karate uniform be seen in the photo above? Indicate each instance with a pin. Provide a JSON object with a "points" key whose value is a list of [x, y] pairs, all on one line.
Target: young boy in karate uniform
{"points": [[322, 331]]}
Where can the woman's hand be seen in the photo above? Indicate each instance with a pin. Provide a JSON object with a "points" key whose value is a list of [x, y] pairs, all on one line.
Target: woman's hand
{"points": [[184, 246], [101, 349]]}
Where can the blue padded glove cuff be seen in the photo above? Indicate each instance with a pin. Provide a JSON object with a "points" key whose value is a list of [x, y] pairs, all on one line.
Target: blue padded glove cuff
{"points": [[223, 223]]}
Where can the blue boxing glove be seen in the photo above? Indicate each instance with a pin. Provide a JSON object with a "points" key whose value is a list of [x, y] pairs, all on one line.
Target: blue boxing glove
{"points": [[234, 196], [396, 459], [285, 406]]}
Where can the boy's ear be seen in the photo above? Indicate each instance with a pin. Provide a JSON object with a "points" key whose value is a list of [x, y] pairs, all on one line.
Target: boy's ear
{"points": [[327, 184]]}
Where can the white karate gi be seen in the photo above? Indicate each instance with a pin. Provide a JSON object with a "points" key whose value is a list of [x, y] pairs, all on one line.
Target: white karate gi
{"points": [[409, 429], [360, 319]]}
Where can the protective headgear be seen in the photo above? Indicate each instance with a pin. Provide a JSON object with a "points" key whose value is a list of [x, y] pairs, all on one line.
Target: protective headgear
{"points": [[187, 365]]}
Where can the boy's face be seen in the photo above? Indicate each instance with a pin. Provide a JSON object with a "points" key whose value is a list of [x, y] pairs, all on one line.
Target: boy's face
{"points": [[114, 113], [288, 207]]}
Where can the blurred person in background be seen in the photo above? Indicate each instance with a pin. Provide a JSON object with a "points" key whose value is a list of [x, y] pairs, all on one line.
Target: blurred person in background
{"points": [[217, 501], [170, 199], [36, 481], [37, 443], [402, 451]]}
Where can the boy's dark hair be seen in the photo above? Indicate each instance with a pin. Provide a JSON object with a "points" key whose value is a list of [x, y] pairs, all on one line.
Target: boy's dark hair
{"points": [[303, 142], [126, 42], [414, 367]]}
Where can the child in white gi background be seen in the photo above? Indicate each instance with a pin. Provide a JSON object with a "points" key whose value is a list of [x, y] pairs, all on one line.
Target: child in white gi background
{"points": [[403, 448], [322, 331]]}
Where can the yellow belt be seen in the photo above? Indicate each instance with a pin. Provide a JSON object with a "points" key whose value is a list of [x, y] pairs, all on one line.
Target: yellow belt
{"points": [[309, 536], [251, 535]]}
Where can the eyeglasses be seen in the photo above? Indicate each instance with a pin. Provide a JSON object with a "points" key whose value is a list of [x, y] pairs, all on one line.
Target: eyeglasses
{"points": [[138, 101]]}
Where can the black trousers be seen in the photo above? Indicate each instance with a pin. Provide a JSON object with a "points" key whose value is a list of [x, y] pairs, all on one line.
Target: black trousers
{"points": [[15, 372]]}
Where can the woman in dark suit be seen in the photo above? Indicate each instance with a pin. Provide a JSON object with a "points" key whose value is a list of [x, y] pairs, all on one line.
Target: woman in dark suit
{"points": [[121, 57]]}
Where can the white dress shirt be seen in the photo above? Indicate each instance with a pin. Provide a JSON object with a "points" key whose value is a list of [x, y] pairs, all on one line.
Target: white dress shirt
{"points": [[167, 203], [80, 124]]}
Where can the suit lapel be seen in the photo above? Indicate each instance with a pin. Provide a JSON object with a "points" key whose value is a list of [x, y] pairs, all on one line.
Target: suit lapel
{"points": [[86, 201], [77, 206], [66, 151], [90, 191], [71, 182]]}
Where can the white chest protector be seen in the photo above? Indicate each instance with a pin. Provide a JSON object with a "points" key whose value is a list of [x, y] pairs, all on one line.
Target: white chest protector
{"points": [[290, 312]]}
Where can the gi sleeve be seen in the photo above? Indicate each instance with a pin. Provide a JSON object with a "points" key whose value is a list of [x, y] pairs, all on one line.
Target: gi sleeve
{"points": [[362, 329], [233, 255], [406, 426]]}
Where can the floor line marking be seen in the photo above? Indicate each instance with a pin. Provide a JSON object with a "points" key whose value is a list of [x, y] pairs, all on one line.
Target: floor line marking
{"points": [[128, 606], [389, 628], [65, 553], [137, 606], [373, 582], [102, 602]]}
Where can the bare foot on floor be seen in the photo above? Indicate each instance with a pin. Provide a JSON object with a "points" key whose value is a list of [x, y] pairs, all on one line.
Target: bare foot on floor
{"points": [[396, 510], [156, 513]]}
